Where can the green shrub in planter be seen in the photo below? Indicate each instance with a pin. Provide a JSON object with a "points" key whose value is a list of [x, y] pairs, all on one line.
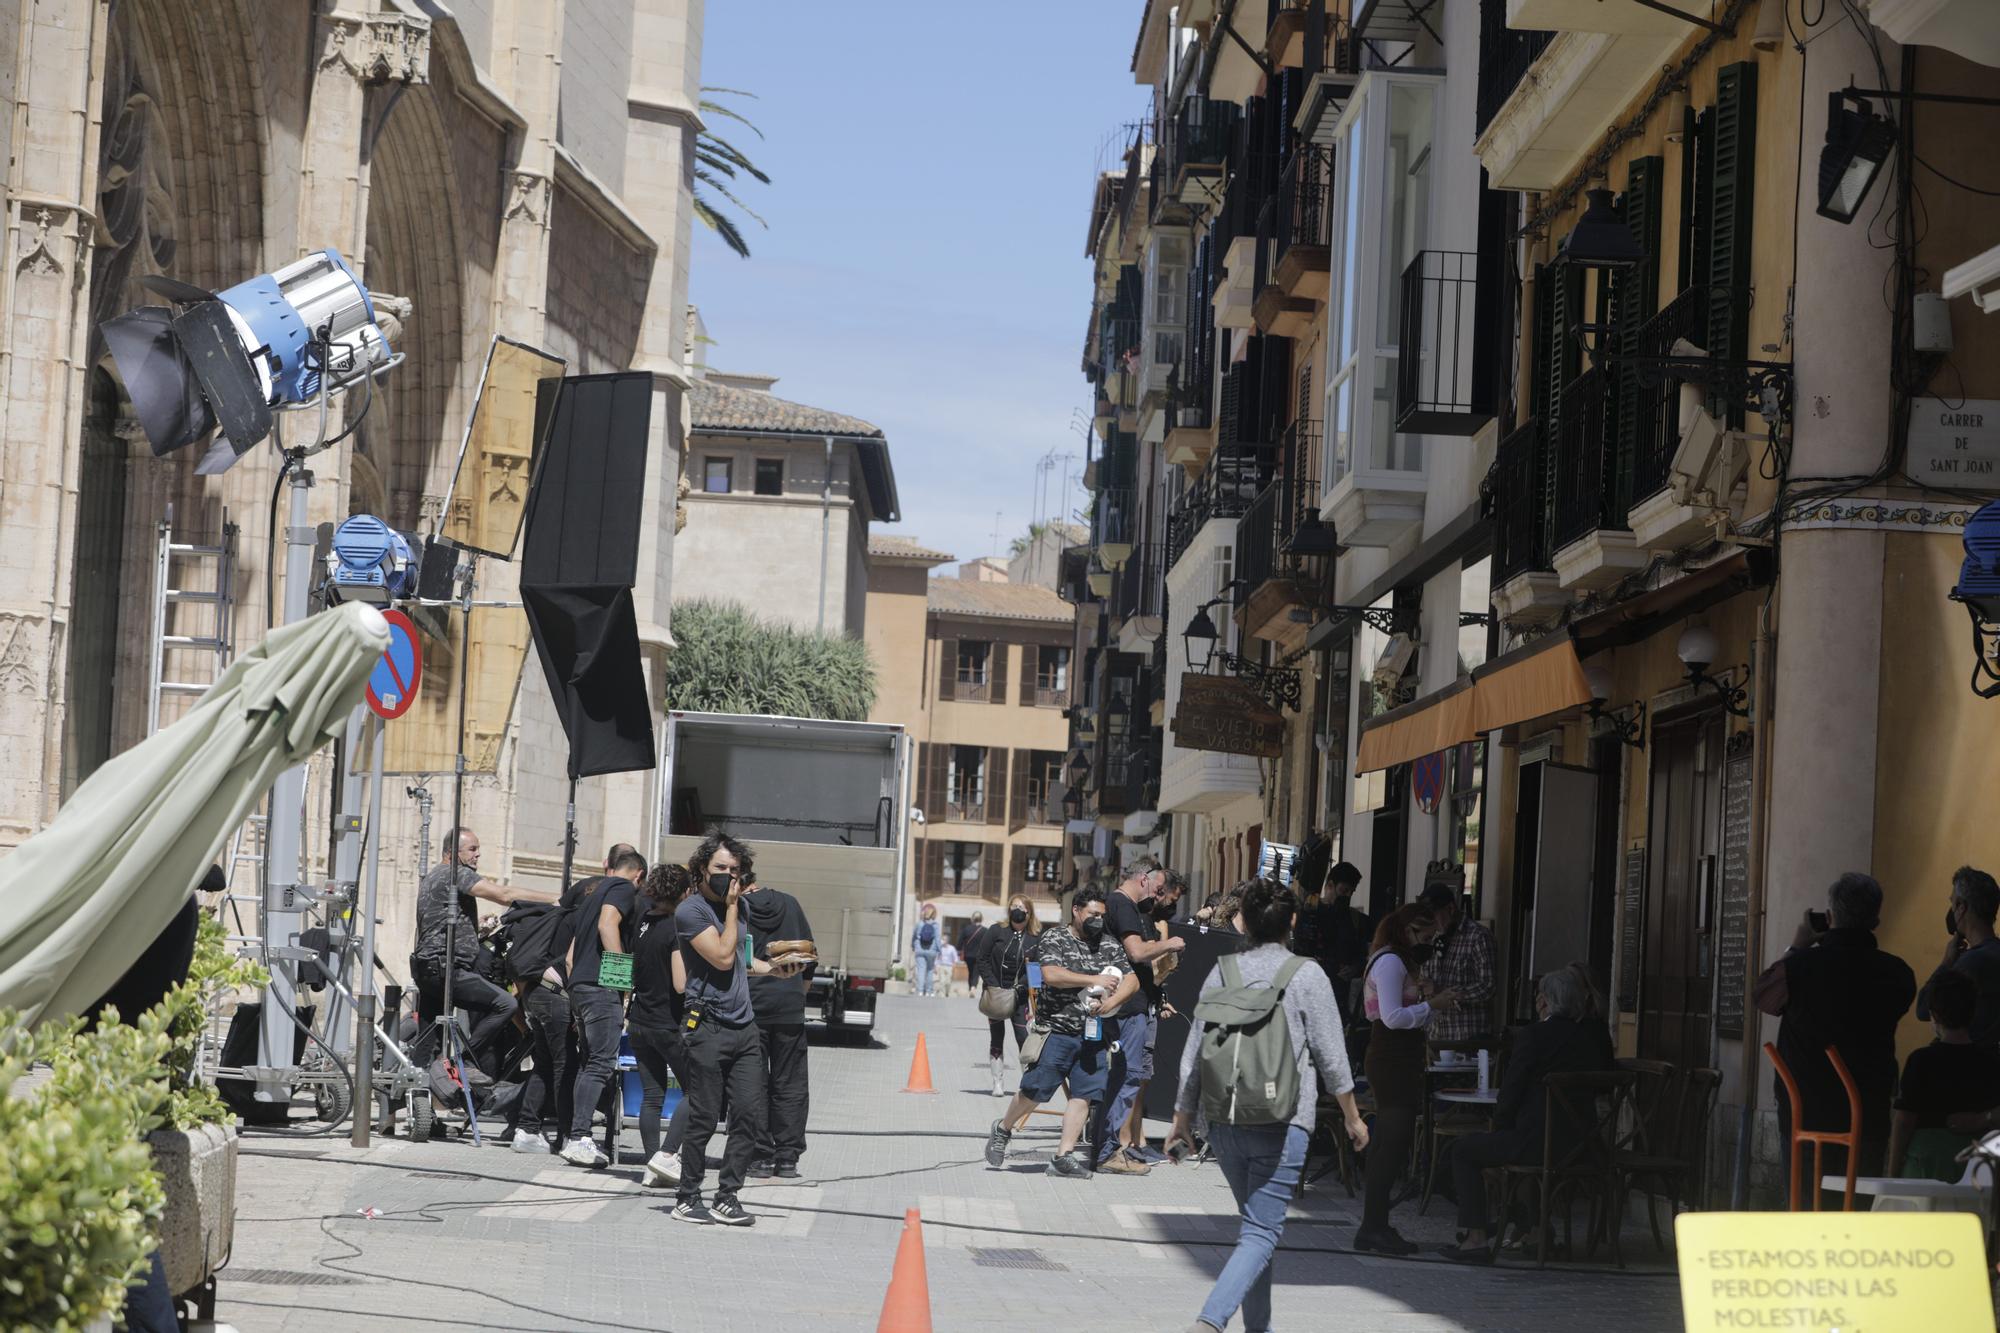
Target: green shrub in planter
{"points": [[78, 1197]]}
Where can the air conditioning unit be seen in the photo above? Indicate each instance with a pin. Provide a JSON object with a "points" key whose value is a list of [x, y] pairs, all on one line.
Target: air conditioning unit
{"points": [[1396, 657], [1709, 458]]}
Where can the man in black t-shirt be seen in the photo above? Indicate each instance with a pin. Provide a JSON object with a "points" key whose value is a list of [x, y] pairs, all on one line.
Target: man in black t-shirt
{"points": [[602, 927], [1128, 918], [448, 911], [1950, 1089], [779, 1003]]}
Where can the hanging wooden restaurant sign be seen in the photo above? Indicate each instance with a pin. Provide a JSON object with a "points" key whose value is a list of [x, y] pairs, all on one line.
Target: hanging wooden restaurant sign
{"points": [[1227, 715]]}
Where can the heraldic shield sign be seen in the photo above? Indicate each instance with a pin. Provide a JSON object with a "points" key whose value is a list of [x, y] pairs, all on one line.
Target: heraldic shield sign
{"points": [[1225, 714]]}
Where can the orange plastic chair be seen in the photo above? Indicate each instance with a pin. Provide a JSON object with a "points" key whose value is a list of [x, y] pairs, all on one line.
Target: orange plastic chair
{"points": [[1850, 1138]]}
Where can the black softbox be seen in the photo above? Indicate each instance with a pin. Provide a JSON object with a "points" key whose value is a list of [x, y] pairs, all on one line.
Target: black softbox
{"points": [[580, 555]]}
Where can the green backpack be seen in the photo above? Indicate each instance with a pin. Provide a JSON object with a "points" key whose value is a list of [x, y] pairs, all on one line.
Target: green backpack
{"points": [[1249, 1075]]}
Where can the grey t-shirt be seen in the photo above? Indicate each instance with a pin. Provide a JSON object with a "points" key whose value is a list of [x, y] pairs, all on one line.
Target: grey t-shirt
{"points": [[719, 995], [436, 905]]}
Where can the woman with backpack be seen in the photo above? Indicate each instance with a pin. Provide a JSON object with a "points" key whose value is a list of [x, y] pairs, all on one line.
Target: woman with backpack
{"points": [[1260, 1139], [924, 944], [1392, 998], [653, 1023], [1003, 974]]}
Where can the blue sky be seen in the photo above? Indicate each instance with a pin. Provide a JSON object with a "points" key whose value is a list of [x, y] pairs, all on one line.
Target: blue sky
{"points": [[931, 171]]}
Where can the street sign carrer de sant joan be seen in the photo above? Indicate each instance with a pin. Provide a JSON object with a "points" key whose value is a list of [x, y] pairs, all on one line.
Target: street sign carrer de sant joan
{"points": [[1225, 714]]}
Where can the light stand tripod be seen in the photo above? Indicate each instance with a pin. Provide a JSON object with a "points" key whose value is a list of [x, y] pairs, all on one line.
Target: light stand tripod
{"points": [[449, 1043]]}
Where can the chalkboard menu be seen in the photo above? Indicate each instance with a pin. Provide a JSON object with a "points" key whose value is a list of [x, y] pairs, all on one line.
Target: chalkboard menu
{"points": [[1632, 923], [1732, 944]]}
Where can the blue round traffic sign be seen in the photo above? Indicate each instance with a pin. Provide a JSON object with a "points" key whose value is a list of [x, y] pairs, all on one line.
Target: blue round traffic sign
{"points": [[392, 685]]}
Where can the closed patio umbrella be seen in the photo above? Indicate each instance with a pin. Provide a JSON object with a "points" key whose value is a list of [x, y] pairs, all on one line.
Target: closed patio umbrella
{"points": [[82, 898]]}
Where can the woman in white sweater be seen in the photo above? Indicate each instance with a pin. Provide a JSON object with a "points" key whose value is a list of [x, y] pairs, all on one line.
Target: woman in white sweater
{"points": [[1397, 1052], [1262, 1162]]}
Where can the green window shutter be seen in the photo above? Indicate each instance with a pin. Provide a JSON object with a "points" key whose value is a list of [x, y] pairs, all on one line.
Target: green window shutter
{"points": [[1731, 198], [1635, 300], [1538, 365], [1565, 363]]}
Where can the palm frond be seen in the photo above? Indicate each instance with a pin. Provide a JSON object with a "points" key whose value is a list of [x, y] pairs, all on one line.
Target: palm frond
{"points": [[717, 108], [718, 163], [722, 225], [721, 187], [711, 146]]}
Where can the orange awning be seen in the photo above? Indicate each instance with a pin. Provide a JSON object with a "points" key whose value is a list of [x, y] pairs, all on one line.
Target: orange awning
{"points": [[1543, 678]]}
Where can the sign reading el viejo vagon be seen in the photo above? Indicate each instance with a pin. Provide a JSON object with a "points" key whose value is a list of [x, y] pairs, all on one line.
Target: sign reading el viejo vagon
{"points": [[1225, 714], [1953, 445]]}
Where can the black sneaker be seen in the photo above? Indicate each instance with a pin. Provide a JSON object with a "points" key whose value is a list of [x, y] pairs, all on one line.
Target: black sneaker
{"points": [[760, 1170], [690, 1210], [1071, 1164], [996, 1145], [788, 1171], [730, 1213]]}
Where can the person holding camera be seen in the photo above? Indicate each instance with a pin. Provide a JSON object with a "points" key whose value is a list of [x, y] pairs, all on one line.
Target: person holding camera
{"points": [[1835, 987]]}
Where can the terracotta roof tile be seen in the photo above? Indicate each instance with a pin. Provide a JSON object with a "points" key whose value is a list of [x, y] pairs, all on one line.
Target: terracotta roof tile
{"points": [[905, 548], [713, 406], [1009, 601]]}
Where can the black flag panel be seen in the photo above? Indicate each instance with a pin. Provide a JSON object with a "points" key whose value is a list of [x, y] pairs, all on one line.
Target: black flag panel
{"points": [[580, 556]]}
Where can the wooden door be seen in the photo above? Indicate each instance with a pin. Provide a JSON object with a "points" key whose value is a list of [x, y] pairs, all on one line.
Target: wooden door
{"points": [[1684, 842]]}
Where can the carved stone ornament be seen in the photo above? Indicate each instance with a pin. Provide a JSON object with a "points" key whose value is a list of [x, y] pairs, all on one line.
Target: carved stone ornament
{"points": [[135, 226], [387, 48], [52, 241], [528, 197], [18, 674]]}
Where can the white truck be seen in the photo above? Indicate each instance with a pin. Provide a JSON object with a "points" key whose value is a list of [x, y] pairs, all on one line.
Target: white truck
{"points": [[824, 806]]}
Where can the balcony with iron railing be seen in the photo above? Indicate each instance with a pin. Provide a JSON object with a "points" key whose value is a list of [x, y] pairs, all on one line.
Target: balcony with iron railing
{"points": [[1444, 377], [1139, 589], [1655, 425], [1282, 543], [1520, 504], [1505, 56], [1190, 159], [1225, 488], [1588, 488], [1294, 243]]}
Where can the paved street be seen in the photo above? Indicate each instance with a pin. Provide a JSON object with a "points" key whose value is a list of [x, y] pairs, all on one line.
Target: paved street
{"points": [[489, 1239]]}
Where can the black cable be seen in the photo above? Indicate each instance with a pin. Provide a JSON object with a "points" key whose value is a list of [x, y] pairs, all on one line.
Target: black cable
{"points": [[331, 1125], [271, 547], [1952, 180]]}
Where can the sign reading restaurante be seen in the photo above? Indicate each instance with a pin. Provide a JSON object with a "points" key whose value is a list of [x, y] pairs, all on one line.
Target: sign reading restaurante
{"points": [[1225, 714]]}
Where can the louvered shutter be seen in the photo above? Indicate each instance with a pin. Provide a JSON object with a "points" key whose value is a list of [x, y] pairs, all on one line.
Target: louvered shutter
{"points": [[996, 671], [1565, 310], [1635, 300], [992, 868], [925, 751], [934, 787], [933, 880], [1731, 198], [1017, 795], [996, 785], [947, 666], [1539, 373]]}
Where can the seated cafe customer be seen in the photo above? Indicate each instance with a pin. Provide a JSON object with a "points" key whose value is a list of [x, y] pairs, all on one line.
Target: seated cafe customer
{"points": [[1950, 1090], [1566, 1038]]}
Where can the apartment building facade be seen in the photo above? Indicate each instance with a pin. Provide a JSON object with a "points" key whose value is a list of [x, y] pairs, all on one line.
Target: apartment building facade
{"points": [[1562, 464]]}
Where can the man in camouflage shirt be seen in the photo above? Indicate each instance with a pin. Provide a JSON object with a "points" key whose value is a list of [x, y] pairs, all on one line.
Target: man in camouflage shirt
{"points": [[1086, 978]]}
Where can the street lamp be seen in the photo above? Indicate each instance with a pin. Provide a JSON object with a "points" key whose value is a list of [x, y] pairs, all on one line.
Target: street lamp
{"points": [[1200, 636], [1697, 648], [1601, 239], [1628, 724], [1858, 144]]}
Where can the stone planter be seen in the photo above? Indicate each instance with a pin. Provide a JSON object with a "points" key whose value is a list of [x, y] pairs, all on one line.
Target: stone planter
{"points": [[198, 1174]]}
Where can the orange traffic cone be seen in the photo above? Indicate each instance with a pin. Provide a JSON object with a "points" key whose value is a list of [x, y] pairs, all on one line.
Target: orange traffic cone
{"points": [[907, 1307], [920, 1068]]}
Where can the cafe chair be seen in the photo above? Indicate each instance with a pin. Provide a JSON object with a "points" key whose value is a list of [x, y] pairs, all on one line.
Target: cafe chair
{"points": [[1820, 1139], [1667, 1150], [1580, 1142]]}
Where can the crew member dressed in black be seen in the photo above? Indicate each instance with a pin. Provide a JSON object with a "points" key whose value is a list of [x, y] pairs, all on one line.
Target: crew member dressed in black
{"points": [[447, 906], [603, 926], [654, 1021], [723, 1047], [779, 1002]]}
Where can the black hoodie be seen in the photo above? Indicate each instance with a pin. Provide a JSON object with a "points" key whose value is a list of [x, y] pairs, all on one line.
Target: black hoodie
{"points": [[773, 914]]}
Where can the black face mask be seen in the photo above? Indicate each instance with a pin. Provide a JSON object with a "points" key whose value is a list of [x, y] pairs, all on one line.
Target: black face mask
{"points": [[718, 885], [1163, 911], [1950, 921], [1092, 931], [1018, 917]]}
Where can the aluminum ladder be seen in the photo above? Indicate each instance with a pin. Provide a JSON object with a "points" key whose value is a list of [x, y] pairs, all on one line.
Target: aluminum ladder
{"points": [[221, 597]]}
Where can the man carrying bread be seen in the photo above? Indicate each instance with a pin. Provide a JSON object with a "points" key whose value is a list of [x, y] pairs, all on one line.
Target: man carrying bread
{"points": [[780, 933]]}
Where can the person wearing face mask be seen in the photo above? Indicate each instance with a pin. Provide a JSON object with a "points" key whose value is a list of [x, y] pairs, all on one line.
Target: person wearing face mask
{"points": [[724, 1050], [1086, 981], [1973, 950], [1003, 972]]}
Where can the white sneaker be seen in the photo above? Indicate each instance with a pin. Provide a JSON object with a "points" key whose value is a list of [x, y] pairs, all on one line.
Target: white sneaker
{"points": [[530, 1143], [999, 1081], [584, 1152], [663, 1168]]}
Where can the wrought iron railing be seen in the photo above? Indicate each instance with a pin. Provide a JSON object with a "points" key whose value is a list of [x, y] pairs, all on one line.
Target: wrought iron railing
{"points": [[1224, 489], [1521, 537], [1505, 56], [1655, 427], [1284, 505], [1438, 388], [1589, 490], [1141, 584], [1298, 213]]}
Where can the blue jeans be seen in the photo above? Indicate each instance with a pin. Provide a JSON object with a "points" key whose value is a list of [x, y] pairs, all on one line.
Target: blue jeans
{"points": [[926, 962], [1262, 1165], [1131, 1065]]}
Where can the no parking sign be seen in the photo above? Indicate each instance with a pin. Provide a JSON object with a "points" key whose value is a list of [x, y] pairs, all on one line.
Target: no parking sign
{"points": [[392, 685]]}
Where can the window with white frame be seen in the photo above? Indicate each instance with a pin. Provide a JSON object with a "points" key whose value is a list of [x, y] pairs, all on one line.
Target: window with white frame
{"points": [[965, 783], [1166, 302]]}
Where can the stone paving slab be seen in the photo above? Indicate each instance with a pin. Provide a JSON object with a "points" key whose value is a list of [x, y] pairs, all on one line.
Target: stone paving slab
{"points": [[485, 1238]]}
